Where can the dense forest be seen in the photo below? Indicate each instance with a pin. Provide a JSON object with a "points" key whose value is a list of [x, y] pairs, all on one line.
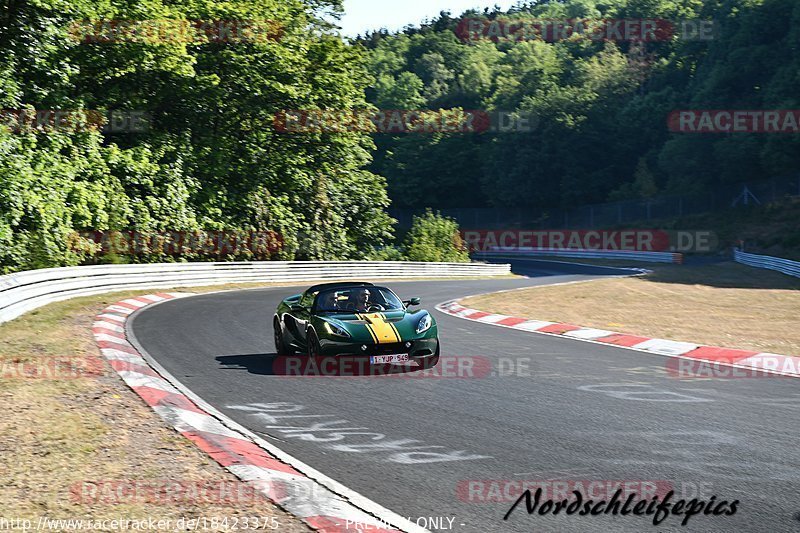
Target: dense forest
{"points": [[601, 105], [212, 159]]}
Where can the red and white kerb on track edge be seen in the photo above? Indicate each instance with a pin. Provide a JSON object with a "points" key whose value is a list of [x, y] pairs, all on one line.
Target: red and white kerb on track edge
{"points": [[698, 360], [316, 505]]}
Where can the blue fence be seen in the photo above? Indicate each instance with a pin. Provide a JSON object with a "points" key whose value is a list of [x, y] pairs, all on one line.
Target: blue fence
{"points": [[648, 257], [784, 266]]}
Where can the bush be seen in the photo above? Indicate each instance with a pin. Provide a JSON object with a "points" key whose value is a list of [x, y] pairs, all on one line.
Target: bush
{"points": [[386, 253], [435, 238]]}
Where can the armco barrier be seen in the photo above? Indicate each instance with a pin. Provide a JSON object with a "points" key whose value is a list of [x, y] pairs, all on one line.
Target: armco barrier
{"points": [[650, 257], [25, 291], [784, 266]]}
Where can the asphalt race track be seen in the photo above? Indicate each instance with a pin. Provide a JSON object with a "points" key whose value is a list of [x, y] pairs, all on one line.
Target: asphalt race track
{"points": [[552, 409]]}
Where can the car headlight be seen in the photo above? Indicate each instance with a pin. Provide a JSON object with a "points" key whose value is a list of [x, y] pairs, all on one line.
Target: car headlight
{"points": [[424, 323], [333, 329]]}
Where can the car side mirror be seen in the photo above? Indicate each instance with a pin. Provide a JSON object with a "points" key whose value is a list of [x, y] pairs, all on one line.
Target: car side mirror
{"points": [[296, 307], [412, 301]]}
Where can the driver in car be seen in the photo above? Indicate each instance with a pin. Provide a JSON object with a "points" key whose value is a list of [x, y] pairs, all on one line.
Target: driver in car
{"points": [[330, 302], [359, 301]]}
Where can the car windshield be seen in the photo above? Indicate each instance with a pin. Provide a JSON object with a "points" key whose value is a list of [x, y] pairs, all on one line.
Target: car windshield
{"points": [[357, 300]]}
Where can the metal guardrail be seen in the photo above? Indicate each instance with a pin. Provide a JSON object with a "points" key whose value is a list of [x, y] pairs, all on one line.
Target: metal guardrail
{"points": [[650, 257], [25, 291], [784, 266]]}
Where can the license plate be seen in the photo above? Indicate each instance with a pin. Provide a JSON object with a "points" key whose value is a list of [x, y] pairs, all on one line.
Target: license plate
{"points": [[383, 359]]}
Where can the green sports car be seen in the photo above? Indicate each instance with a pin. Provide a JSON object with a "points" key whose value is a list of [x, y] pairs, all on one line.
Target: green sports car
{"points": [[356, 319]]}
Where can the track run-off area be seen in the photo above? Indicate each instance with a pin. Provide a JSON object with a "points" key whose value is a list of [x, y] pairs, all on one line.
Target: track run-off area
{"points": [[453, 449]]}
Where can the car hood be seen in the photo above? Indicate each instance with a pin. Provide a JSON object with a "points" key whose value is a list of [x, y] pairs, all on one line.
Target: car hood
{"points": [[362, 318], [388, 326]]}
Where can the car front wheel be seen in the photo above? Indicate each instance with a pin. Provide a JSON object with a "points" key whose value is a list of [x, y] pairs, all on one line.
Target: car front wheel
{"points": [[280, 344], [312, 348]]}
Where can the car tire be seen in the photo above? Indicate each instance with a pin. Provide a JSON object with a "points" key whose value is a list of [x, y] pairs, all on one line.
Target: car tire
{"points": [[280, 343], [312, 344]]}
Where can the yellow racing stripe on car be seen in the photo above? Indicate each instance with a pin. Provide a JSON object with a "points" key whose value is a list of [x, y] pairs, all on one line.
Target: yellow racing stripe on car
{"points": [[368, 326], [381, 330], [395, 331]]}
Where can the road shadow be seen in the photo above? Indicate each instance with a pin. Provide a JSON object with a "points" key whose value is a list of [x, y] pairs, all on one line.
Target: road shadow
{"points": [[299, 366], [559, 267], [724, 275], [710, 271]]}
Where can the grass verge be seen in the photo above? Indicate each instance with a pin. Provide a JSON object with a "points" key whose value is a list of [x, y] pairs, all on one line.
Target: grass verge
{"points": [[722, 304], [75, 448]]}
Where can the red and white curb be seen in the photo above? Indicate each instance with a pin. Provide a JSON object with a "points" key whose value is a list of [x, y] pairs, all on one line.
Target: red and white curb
{"points": [[759, 361], [317, 505]]}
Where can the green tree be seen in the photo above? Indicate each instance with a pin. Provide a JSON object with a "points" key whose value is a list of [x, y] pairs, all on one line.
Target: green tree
{"points": [[211, 159], [601, 106], [435, 238]]}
